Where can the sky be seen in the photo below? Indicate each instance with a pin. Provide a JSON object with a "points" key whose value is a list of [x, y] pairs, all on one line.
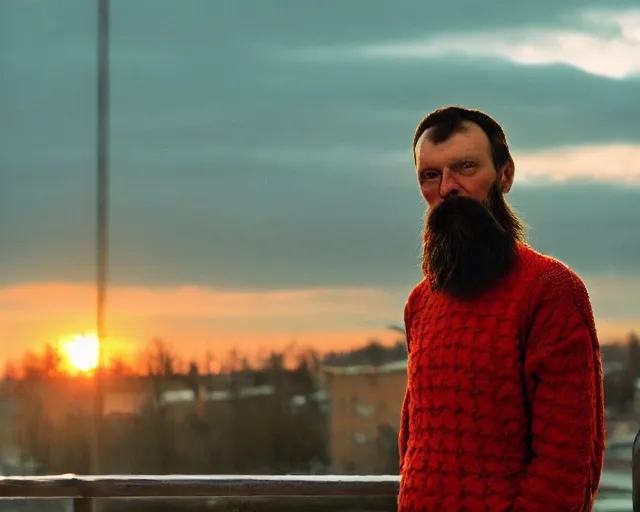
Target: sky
{"points": [[262, 187]]}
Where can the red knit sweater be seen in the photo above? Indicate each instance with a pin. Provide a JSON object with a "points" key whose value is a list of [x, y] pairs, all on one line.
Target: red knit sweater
{"points": [[464, 422]]}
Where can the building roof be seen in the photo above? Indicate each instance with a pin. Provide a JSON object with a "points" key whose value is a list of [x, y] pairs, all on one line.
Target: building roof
{"points": [[395, 366]]}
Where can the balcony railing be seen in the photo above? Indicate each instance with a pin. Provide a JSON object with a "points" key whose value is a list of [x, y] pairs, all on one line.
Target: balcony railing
{"points": [[238, 493]]}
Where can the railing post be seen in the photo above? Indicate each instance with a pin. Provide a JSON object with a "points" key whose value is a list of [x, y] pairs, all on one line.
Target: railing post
{"points": [[635, 473], [83, 505]]}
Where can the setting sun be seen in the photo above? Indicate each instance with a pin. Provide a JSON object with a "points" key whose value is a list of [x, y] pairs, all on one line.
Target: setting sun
{"points": [[82, 351]]}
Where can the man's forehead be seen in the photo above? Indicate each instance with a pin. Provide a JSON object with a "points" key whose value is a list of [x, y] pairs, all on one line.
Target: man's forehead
{"points": [[468, 140]]}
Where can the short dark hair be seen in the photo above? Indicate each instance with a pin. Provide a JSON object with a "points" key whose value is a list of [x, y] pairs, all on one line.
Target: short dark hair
{"points": [[446, 121]]}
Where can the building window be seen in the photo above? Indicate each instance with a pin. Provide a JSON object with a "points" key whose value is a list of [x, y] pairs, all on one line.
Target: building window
{"points": [[360, 438], [362, 409]]}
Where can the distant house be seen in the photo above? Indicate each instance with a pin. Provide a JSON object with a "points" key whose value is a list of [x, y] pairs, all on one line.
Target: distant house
{"points": [[366, 402]]}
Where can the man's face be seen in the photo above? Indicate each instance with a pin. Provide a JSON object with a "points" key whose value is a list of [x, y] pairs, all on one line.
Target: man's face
{"points": [[461, 165]]}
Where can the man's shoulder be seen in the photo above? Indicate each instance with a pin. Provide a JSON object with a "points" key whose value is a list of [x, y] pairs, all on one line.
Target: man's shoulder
{"points": [[557, 294], [418, 295], [551, 276]]}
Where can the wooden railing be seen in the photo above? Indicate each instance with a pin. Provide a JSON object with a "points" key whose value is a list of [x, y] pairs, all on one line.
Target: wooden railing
{"points": [[238, 493], [244, 493]]}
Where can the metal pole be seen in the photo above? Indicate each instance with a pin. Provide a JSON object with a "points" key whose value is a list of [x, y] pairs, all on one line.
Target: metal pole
{"points": [[635, 473], [102, 217]]}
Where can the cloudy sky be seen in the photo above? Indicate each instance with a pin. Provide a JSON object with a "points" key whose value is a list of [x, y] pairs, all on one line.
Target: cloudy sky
{"points": [[262, 181]]}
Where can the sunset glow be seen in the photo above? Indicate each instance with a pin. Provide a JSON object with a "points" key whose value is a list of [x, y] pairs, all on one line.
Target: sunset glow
{"points": [[82, 352], [325, 319]]}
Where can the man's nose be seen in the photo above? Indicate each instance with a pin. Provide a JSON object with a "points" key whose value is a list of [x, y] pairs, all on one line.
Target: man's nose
{"points": [[448, 185]]}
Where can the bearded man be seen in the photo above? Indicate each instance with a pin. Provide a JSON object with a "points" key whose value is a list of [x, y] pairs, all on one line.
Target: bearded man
{"points": [[504, 404]]}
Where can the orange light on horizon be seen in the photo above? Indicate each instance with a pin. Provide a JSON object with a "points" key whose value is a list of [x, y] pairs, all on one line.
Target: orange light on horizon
{"points": [[82, 352]]}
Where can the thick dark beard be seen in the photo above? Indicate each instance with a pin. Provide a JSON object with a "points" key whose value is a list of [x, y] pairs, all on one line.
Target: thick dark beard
{"points": [[469, 246]]}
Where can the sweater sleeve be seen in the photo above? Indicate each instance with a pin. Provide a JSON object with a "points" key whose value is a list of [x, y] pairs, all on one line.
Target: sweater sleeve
{"points": [[561, 365], [403, 437]]}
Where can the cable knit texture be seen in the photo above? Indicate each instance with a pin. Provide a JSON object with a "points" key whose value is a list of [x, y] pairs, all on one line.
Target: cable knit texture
{"points": [[463, 435]]}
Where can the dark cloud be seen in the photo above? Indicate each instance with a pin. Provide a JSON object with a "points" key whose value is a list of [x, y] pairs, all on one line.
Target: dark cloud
{"points": [[337, 21], [592, 226], [278, 227]]}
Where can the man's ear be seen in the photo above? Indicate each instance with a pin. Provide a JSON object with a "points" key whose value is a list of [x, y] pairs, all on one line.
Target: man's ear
{"points": [[507, 173]]}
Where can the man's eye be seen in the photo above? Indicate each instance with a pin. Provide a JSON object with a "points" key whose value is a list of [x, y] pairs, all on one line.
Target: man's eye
{"points": [[467, 166], [429, 176]]}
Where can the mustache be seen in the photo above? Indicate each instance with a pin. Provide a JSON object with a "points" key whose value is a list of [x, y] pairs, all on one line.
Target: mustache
{"points": [[461, 217]]}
